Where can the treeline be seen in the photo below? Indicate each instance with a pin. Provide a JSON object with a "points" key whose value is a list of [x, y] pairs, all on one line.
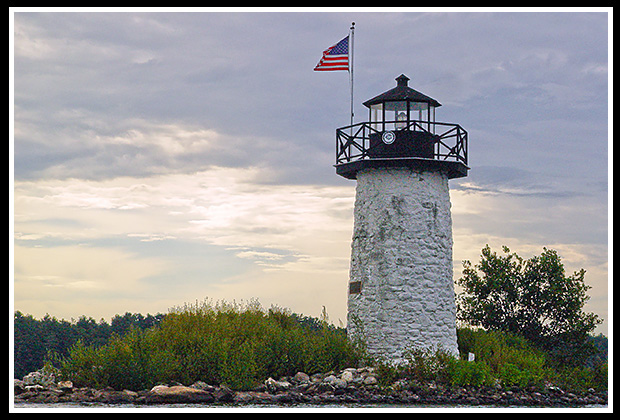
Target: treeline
{"points": [[36, 341], [600, 344]]}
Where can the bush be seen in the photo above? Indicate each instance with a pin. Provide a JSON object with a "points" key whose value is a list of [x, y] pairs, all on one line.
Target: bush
{"points": [[464, 373], [580, 378], [500, 359], [236, 344], [442, 367], [426, 365], [511, 359]]}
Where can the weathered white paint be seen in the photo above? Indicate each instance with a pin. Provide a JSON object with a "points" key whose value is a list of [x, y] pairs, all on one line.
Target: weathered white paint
{"points": [[401, 253]]}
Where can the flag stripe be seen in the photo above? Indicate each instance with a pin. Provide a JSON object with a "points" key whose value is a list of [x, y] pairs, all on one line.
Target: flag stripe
{"points": [[335, 57]]}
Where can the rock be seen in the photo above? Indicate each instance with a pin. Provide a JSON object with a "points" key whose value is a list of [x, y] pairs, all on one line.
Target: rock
{"points": [[65, 386], [370, 380], [178, 394], [243, 398], [130, 394], [82, 395], [301, 377], [203, 386], [158, 389], [283, 398], [317, 377], [322, 387], [347, 376], [46, 397], [252, 397], [339, 383], [110, 396], [39, 378], [18, 386], [277, 386], [335, 382], [224, 394], [329, 379], [347, 386]]}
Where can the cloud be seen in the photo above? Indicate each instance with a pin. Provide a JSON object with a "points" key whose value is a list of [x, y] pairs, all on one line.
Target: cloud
{"points": [[206, 141], [517, 182], [84, 149], [128, 147], [218, 200], [274, 234]]}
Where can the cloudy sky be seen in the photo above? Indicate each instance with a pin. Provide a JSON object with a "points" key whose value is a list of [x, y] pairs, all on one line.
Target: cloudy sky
{"points": [[163, 158]]}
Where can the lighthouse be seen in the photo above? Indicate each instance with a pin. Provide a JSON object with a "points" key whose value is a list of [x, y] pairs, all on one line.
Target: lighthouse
{"points": [[401, 290]]}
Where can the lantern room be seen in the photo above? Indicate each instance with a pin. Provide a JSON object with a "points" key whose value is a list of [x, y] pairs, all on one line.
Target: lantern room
{"points": [[398, 107], [401, 131]]}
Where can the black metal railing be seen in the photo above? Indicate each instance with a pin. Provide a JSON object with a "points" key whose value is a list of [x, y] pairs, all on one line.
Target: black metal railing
{"points": [[353, 141]]}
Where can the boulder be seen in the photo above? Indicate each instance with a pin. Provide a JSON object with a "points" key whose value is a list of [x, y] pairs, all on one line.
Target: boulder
{"points": [[370, 380], [18, 386], [335, 382], [203, 386], [65, 386], [39, 378], [224, 394], [301, 377], [253, 397], [276, 386], [178, 394], [347, 375]]}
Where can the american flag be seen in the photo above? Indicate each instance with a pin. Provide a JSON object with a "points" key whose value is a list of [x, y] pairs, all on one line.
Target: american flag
{"points": [[335, 57]]}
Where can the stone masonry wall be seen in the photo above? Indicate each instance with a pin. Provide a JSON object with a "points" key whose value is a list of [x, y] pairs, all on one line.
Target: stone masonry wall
{"points": [[401, 292]]}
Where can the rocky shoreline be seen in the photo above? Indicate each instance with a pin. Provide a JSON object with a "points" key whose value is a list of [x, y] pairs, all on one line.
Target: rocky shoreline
{"points": [[350, 386]]}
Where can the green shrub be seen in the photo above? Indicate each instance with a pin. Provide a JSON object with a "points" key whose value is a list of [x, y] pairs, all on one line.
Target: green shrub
{"points": [[82, 366], [442, 367], [511, 359], [424, 365], [500, 358], [464, 373], [580, 378], [237, 344]]}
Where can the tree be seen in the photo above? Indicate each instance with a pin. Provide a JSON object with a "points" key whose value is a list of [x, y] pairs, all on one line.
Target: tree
{"points": [[532, 298]]}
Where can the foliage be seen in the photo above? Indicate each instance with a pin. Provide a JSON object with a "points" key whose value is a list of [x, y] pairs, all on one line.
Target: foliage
{"points": [[236, 344], [501, 359], [36, 341], [511, 359], [531, 298], [600, 343]]}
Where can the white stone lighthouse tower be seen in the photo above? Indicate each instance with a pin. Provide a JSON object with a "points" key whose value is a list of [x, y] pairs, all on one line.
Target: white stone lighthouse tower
{"points": [[401, 291]]}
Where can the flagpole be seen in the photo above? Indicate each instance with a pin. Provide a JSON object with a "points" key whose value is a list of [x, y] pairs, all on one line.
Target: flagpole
{"points": [[352, 29]]}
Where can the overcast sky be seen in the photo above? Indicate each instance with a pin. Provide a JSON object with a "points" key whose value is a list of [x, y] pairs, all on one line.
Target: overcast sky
{"points": [[163, 158]]}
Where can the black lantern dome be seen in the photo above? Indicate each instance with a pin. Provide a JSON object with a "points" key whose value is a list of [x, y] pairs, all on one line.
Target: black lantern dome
{"points": [[402, 92], [402, 131]]}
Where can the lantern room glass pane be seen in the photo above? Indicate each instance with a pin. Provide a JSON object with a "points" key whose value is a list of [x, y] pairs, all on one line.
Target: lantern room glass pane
{"points": [[396, 114], [419, 111], [376, 116]]}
